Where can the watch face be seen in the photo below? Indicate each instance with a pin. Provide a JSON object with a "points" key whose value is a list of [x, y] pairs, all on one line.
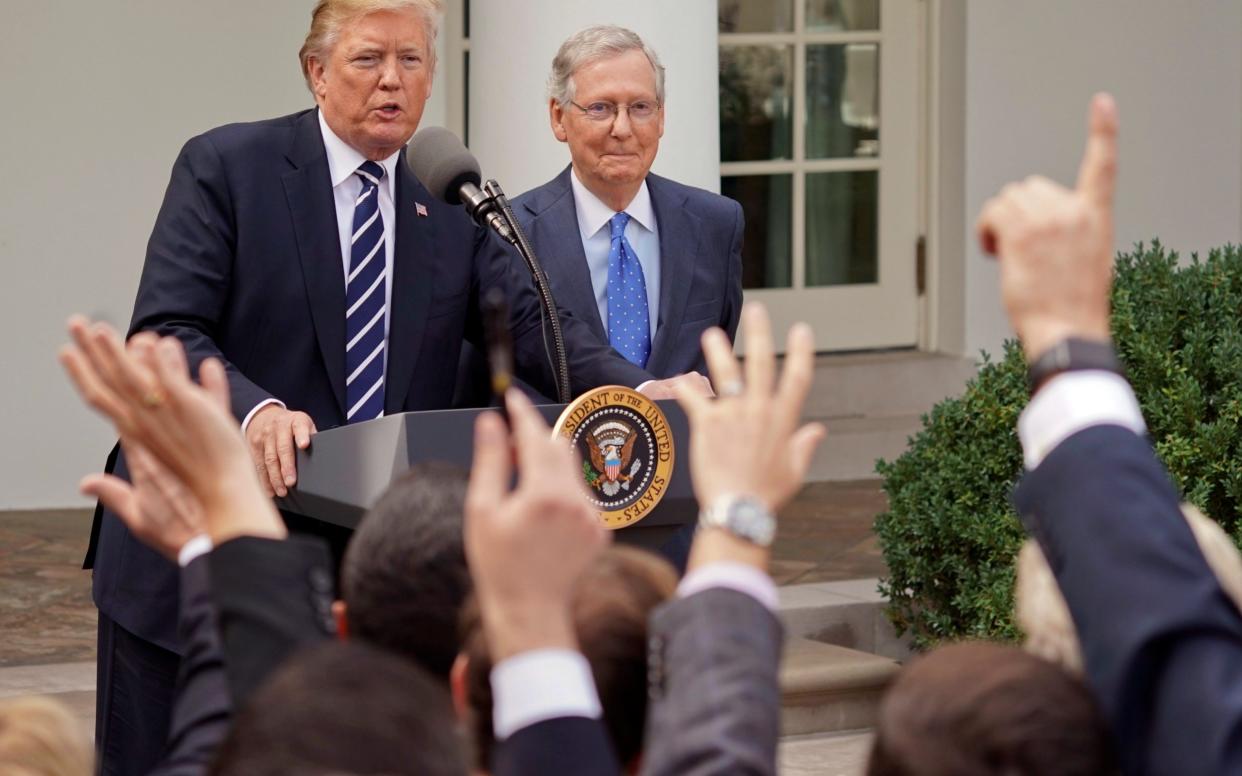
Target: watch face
{"points": [[751, 520]]}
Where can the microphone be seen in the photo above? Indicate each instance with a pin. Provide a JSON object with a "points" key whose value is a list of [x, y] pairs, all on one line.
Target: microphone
{"points": [[451, 173]]}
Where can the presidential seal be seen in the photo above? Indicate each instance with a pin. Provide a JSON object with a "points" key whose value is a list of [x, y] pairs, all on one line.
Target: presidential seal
{"points": [[626, 448]]}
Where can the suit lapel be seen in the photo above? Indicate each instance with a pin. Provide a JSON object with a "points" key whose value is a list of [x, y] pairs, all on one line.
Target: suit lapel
{"points": [[679, 250], [413, 269], [308, 190], [555, 227]]}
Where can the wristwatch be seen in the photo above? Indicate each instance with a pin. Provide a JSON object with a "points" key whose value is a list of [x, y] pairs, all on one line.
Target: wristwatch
{"points": [[1072, 355], [745, 517]]}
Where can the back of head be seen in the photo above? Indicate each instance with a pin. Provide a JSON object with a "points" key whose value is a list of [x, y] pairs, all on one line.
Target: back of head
{"points": [[980, 709], [344, 708], [404, 574], [40, 737], [612, 605]]}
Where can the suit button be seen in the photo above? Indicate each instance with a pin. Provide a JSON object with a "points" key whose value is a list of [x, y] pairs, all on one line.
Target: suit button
{"points": [[321, 580]]}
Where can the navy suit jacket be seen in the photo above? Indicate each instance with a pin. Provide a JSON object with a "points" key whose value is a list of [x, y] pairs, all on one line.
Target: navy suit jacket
{"points": [[700, 264], [1162, 643], [244, 264], [700, 272]]}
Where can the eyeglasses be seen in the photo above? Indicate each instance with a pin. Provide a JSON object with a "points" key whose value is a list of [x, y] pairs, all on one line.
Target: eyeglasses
{"points": [[638, 111]]}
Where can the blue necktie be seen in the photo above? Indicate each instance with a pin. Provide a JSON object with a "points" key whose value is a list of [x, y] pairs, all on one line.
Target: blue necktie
{"points": [[629, 322], [365, 301]]}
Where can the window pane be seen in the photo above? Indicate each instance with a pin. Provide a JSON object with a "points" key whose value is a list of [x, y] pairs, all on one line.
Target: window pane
{"points": [[841, 228], [841, 15], [767, 202], [842, 100], [755, 16], [756, 87]]}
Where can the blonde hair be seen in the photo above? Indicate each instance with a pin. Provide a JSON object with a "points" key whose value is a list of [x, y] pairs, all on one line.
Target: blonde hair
{"points": [[40, 737], [1043, 615], [330, 16]]}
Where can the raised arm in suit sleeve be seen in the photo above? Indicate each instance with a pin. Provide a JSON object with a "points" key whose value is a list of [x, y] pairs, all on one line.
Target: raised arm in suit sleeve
{"points": [[186, 279], [1162, 644], [591, 362], [272, 597], [713, 664], [202, 710]]}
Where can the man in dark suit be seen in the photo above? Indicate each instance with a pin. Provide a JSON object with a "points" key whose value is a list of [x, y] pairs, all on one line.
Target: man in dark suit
{"points": [[333, 287], [609, 232], [647, 263], [1161, 641]]}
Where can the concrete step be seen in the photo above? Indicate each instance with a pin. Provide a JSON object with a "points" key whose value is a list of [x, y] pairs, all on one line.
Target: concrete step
{"points": [[905, 382], [853, 445], [831, 754], [848, 613], [829, 689]]}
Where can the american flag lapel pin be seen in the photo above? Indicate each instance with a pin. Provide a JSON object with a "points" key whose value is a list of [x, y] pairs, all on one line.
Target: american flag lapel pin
{"points": [[420, 208]]}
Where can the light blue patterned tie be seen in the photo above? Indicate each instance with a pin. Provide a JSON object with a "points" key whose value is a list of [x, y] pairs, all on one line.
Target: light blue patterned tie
{"points": [[629, 321], [365, 302]]}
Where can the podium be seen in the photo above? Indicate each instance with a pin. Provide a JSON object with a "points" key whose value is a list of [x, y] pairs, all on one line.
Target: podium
{"points": [[347, 468]]}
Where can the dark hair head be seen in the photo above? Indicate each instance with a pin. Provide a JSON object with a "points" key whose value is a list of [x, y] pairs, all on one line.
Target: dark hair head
{"points": [[404, 575], [612, 603], [980, 709], [344, 707]]}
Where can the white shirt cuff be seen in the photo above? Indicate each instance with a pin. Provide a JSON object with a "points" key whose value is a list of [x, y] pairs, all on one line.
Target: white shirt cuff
{"points": [[734, 576], [257, 407], [199, 545], [1071, 402], [539, 685]]}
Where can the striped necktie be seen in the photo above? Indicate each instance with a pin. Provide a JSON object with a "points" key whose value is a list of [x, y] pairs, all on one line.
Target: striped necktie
{"points": [[629, 320], [365, 303]]}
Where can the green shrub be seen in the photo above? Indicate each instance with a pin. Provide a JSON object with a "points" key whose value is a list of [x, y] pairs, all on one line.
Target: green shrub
{"points": [[950, 534]]}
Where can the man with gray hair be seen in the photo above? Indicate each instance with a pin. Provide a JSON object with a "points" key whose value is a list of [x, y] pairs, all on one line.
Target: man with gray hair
{"points": [[648, 263]]}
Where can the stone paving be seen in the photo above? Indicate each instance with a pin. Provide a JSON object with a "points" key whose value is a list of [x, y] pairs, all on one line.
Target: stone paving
{"points": [[47, 620]]}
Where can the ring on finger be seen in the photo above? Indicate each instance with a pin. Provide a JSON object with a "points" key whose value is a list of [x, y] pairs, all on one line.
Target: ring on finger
{"points": [[154, 399], [731, 388]]}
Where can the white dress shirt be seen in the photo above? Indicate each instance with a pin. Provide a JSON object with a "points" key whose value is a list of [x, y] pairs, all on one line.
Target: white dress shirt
{"points": [[642, 232], [1072, 402], [343, 162], [535, 686]]}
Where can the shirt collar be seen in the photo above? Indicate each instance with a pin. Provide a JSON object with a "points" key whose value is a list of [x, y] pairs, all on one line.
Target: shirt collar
{"points": [[344, 160], [594, 215]]}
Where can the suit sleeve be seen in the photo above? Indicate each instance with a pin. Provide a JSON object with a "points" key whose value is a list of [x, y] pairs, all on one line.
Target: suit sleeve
{"points": [[715, 707], [186, 278], [732, 309], [1162, 644], [202, 709], [272, 597], [591, 362]]}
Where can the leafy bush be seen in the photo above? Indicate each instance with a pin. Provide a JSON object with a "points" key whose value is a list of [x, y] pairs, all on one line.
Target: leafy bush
{"points": [[950, 534]]}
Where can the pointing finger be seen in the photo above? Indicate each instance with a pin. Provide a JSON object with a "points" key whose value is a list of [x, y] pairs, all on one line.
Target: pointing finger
{"points": [[1098, 171]]}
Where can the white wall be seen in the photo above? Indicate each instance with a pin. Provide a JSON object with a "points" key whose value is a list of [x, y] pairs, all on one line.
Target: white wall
{"points": [[1176, 71], [512, 43], [98, 98]]}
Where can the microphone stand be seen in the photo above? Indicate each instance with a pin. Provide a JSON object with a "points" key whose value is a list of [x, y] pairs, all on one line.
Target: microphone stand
{"points": [[519, 240]]}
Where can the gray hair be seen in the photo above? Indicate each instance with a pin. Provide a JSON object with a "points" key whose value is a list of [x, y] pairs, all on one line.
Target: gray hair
{"points": [[590, 45], [330, 16]]}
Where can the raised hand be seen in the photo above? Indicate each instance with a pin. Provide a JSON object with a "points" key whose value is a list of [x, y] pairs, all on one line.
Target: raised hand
{"points": [[748, 441], [146, 391], [527, 547], [1055, 245], [156, 507]]}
